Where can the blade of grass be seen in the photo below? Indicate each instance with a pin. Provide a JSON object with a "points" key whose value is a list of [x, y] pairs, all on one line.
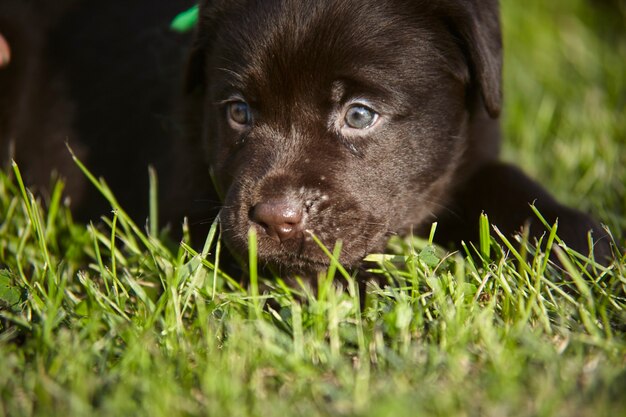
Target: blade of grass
{"points": [[330, 256], [154, 202], [484, 237], [253, 271]]}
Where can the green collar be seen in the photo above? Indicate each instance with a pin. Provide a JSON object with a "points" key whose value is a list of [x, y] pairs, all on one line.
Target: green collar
{"points": [[185, 21]]}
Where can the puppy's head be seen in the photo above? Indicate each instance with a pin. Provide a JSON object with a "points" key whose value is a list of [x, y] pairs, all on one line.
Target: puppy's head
{"points": [[347, 119]]}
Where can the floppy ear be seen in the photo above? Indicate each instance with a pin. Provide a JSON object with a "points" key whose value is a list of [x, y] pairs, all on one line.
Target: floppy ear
{"points": [[194, 77], [210, 14], [477, 25]]}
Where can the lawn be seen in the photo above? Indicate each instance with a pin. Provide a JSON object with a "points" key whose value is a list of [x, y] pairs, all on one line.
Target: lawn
{"points": [[113, 319]]}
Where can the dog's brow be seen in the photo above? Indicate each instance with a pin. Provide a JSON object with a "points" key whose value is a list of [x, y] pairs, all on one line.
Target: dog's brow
{"points": [[338, 89], [231, 72]]}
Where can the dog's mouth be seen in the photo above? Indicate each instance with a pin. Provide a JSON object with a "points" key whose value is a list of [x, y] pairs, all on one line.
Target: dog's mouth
{"points": [[307, 251], [301, 253], [299, 234], [293, 232]]}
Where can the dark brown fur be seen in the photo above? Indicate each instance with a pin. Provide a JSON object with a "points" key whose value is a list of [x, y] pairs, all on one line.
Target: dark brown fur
{"points": [[432, 69]]}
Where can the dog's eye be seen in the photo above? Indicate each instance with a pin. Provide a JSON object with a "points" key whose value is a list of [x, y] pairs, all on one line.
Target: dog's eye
{"points": [[239, 113], [359, 116]]}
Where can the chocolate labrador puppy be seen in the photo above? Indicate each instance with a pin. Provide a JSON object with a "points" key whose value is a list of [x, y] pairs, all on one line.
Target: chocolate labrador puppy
{"points": [[350, 120], [355, 120]]}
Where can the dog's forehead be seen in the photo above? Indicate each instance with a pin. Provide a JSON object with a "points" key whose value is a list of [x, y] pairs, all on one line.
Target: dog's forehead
{"points": [[290, 43]]}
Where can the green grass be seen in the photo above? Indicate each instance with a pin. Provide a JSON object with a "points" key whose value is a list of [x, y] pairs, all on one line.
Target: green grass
{"points": [[109, 319]]}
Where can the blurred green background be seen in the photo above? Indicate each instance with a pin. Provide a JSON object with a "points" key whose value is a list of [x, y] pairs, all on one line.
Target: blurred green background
{"points": [[565, 100]]}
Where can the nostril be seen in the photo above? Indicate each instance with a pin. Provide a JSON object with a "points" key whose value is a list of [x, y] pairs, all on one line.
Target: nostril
{"points": [[281, 219], [5, 52]]}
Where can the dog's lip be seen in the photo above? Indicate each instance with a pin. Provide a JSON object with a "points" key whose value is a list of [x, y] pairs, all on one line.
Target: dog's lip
{"points": [[305, 263], [309, 258], [284, 252]]}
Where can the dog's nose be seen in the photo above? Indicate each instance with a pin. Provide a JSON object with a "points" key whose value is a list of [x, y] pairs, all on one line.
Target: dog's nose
{"points": [[281, 219]]}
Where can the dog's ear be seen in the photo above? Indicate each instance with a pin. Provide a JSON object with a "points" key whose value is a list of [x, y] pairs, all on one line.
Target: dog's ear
{"points": [[476, 23], [194, 77], [210, 16], [208, 19]]}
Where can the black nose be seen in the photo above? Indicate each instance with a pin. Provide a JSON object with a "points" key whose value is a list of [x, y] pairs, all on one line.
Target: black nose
{"points": [[281, 219]]}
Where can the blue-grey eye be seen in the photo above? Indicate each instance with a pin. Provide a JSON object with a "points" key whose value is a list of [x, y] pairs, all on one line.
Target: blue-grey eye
{"points": [[239, 113], [359, 116]]}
